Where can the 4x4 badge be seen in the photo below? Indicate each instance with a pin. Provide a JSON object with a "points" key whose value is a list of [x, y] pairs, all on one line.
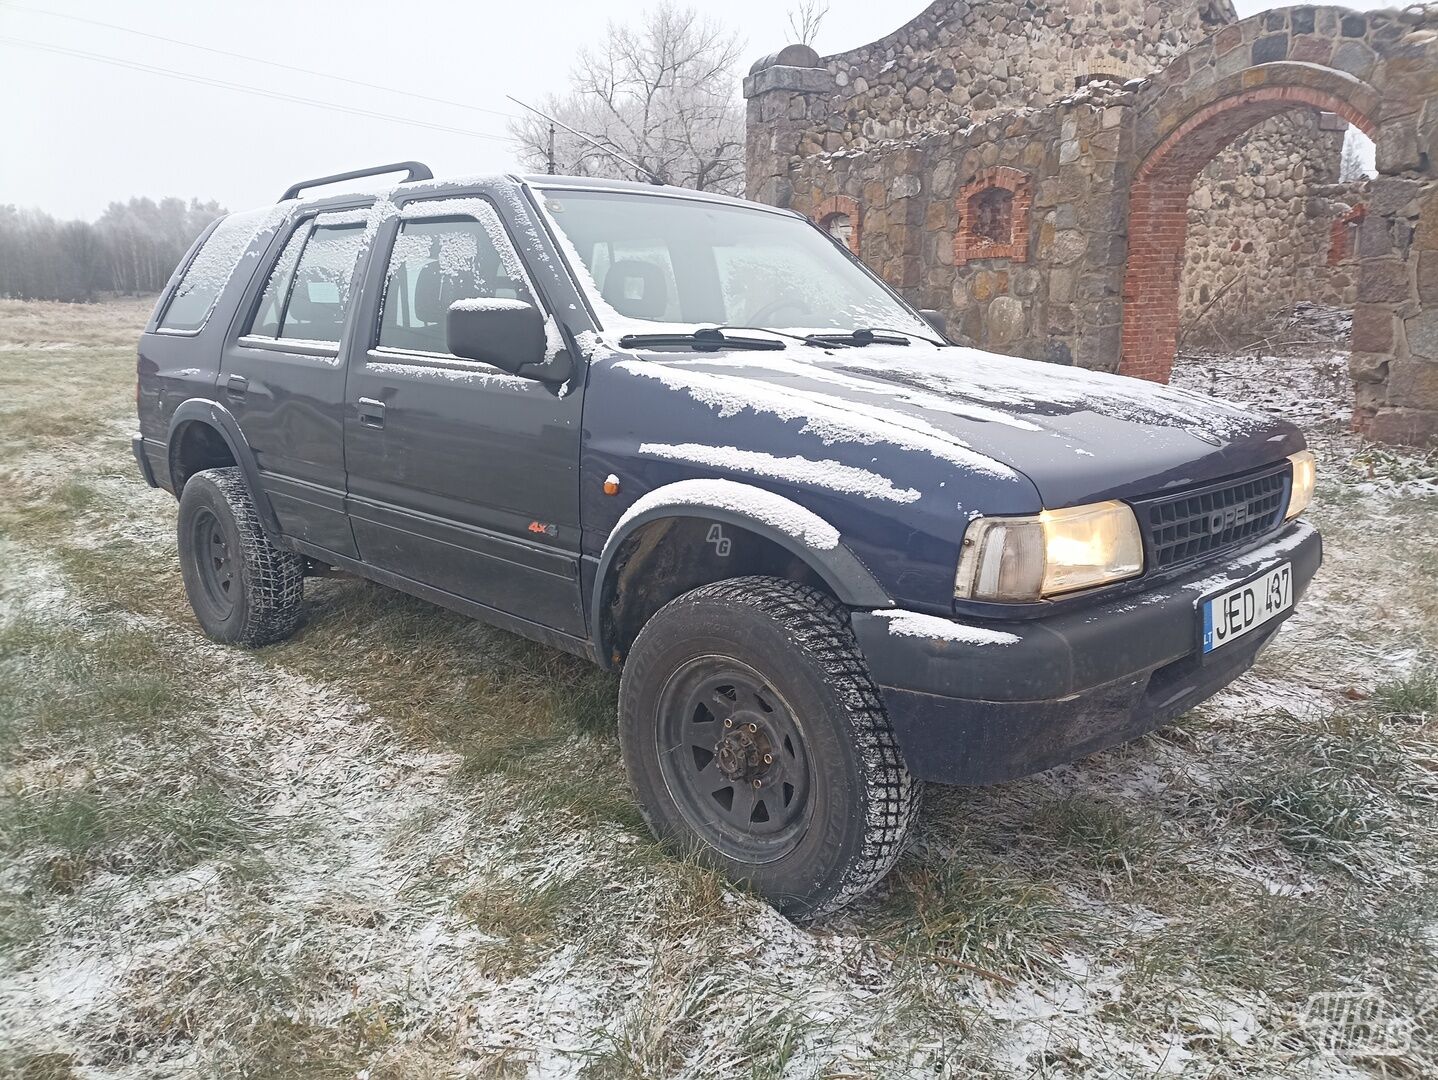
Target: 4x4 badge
{"points": [[543, 528]]}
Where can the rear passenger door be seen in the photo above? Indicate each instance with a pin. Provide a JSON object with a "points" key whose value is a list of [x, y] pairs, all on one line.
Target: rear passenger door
{"points": [[462, 477], [283, 379]]}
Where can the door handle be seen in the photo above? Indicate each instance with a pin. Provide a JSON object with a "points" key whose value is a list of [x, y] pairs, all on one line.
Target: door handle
{"points": [[371, 412], [236, 386]]}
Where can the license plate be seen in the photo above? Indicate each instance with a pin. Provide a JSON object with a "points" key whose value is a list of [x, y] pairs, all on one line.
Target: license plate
{"points": [[1232, 614]]}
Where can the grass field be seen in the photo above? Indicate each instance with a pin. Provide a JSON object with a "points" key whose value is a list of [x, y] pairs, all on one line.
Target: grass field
{"points": [[400, 845]]}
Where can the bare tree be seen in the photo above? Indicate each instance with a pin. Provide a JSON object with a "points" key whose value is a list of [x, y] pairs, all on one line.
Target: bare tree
{"points": [[661, 94], [805, 19], [132, 248], [1357, 160]]}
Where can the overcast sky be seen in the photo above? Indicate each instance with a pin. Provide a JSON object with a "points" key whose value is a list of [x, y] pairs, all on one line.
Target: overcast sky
{"points": [[77, 132]]}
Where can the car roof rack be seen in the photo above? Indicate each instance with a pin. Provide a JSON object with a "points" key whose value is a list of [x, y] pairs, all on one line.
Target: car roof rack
{"points": [[416, 171]]}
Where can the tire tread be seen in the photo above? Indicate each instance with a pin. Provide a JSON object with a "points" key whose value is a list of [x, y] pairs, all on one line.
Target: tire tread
{"points": [[273, 579], [819, 625]]}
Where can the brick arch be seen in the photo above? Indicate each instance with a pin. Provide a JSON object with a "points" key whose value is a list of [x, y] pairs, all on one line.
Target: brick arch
{"points": [[1158, 207]]}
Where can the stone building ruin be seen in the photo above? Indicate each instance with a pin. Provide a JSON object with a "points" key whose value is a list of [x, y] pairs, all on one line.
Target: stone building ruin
{"points": [[1075, 182]]}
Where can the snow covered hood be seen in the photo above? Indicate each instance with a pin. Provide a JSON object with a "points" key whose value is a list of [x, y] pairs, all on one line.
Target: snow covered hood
{"points": [[1078, 435]]}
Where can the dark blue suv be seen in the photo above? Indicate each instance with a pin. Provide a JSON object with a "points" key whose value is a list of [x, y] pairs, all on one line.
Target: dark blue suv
{"points": [[695, 440]]}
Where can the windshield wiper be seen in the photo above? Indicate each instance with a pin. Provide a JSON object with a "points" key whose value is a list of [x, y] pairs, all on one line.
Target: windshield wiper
{"points": [[807, 339], [709, 339], [867, 335]]}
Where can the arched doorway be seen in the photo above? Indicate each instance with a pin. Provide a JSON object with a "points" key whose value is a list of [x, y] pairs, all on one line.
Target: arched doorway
{"points": [[1377, 70], [1158, 212]]}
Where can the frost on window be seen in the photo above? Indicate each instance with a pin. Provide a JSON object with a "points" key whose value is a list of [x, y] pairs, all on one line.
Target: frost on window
{"points": [[271, 312], [687, 262], [435, 264], [215, 263], [319, 296]]}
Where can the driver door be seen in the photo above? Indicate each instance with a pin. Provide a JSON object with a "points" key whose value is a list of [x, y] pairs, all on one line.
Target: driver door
{"points": [[462, 477]]}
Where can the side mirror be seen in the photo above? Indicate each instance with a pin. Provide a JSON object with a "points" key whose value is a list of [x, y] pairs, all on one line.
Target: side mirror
{"points": [[937, 321], [506, 333]]}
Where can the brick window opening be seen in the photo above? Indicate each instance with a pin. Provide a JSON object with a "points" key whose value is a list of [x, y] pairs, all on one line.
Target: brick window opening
{"points": [[839, 216], [1343, 235], [839, 226], [994, 216]]}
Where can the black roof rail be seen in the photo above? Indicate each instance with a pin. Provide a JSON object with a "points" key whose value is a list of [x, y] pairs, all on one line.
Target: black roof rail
{"points": [[414, 168]]}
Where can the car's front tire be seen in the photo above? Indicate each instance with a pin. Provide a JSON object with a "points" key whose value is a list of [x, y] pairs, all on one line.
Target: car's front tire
{"points": [[753, 735], [243, 589]]}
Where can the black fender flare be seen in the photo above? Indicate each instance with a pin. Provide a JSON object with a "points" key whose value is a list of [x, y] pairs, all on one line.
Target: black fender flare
{"points": [[215, 415], [774, 517]]}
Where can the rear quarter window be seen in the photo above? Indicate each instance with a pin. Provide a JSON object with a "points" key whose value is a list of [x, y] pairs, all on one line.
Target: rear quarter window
{"points": [[219, 257]]}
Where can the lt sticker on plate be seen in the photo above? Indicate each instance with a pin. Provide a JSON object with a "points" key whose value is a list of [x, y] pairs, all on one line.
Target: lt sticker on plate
{"points": [[1232, 614]]}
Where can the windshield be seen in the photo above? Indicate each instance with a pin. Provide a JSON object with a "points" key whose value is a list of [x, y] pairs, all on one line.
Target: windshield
{"points": [[686, 263]]}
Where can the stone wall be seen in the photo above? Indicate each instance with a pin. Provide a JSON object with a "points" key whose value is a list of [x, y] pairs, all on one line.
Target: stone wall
{"points": [[1395, 323], [1095, 189], [959, 60], [1260, 228], [1053, 292]]}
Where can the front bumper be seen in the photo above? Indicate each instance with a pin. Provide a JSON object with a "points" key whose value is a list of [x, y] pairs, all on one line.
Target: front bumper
{"points": [[1059, 687]]}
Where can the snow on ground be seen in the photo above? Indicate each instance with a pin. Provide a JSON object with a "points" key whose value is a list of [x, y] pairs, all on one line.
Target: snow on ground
{"points": [[394, 910]]}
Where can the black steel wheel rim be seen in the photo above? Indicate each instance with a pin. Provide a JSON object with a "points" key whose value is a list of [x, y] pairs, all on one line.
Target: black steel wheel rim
{"points": [[734, 759], [214, 562]]}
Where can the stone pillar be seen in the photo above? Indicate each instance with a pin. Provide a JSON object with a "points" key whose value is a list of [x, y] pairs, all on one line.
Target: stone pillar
{"points": [[1395, 322], [787, 94]]}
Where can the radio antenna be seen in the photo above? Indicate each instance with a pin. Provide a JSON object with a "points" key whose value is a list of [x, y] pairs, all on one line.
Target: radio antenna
{"points": [[648, 174]]}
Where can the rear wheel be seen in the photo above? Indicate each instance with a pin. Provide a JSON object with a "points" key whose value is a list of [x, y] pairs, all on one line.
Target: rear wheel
{"points": [[754, 736], [243, 589]]}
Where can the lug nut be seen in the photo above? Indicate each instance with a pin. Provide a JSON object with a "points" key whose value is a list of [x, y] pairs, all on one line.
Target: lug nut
{"points": [[756, 783], [728, 723], [768, 759], [753, 727]]}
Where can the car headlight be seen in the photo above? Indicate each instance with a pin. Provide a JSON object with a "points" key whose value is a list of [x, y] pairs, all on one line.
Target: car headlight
{"points": [[1305, 477], [1057, 551]]}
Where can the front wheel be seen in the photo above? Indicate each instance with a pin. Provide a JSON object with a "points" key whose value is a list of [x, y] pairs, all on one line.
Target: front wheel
{"points": [[753, 735]]}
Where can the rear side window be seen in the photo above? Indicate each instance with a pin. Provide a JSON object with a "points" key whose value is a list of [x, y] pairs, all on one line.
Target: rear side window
{"points": [[213, 265], [307, 294], [320, 291], [272, 305], [434, 263]]}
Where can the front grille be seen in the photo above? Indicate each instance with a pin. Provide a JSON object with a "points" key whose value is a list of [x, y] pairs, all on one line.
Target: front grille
{"points": [[1194, 524]]}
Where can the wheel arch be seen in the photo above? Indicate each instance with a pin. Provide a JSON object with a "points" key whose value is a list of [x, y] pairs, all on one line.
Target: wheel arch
{"points": [[216, 418], [775, 535]]}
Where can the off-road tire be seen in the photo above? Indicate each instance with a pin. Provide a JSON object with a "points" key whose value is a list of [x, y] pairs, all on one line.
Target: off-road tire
{"points": [[261, 602], [799, 641]]}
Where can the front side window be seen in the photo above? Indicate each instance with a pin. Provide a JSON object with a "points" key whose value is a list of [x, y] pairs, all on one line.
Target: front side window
{"points": [[435, 262], [658, 259]]}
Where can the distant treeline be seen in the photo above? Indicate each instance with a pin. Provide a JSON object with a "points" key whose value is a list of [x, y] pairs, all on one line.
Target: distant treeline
{"points": [[132, 248]]}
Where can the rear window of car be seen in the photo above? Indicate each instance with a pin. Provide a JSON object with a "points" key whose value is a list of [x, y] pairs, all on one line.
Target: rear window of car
{"points": [[212, 267], [306, 296]]}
